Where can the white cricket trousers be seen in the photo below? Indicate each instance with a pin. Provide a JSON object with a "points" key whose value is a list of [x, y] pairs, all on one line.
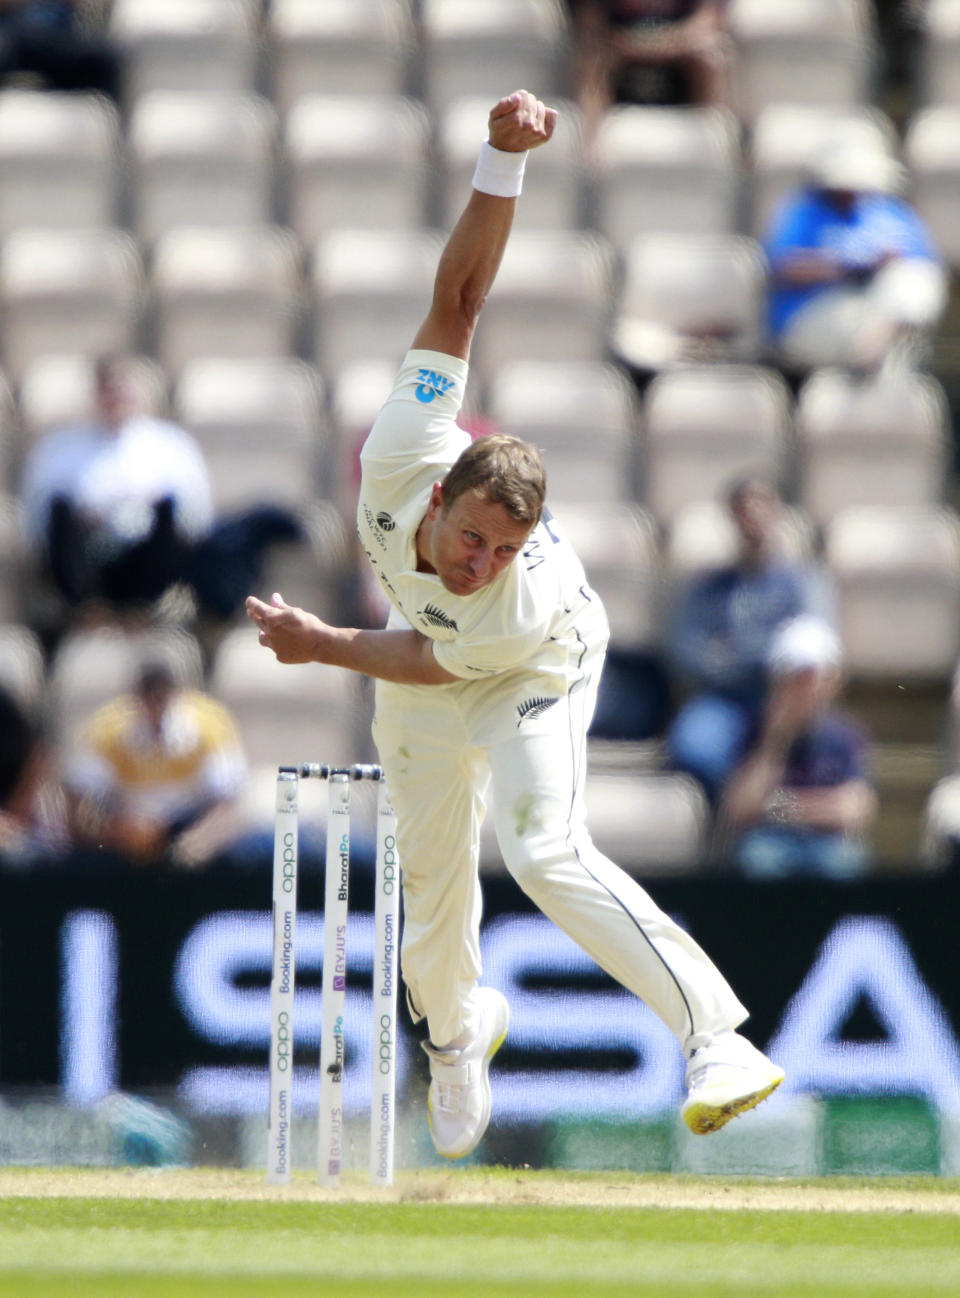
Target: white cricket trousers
{"points": [[442, 747]]}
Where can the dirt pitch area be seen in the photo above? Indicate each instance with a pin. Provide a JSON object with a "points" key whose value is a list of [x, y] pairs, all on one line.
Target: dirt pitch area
{"points": [[495, 1186]]}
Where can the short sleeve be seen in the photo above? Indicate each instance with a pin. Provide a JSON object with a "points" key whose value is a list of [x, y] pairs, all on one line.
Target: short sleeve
{"points": [[422, 408]]}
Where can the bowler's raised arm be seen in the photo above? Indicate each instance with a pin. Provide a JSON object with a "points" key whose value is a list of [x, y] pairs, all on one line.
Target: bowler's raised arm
{"points": [[472, 255]]}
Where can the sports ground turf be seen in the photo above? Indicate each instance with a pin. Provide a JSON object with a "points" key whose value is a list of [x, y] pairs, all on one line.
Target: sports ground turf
{"points": [[506, 1232]]}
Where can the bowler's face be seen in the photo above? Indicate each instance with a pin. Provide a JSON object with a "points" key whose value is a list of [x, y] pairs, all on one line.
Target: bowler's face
{"points": [[471, 543]]}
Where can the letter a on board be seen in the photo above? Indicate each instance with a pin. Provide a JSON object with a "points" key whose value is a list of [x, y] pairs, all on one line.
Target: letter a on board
{"points": [[866, 957]]}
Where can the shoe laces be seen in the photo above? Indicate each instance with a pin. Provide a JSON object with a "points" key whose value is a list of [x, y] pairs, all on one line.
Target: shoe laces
{"points": [[450, 1094], [715, 1057], [451, 1078], [446, 1097]]}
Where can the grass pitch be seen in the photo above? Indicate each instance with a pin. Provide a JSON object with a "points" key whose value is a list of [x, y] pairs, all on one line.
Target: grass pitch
{"points": [[195, 1234]]}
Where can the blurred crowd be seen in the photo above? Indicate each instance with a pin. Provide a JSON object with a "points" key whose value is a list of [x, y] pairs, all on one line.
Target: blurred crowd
{"points": [[754, 317]]}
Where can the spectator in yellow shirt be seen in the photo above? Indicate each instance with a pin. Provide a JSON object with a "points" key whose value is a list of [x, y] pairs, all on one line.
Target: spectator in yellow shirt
{"points": [[157, 773]]}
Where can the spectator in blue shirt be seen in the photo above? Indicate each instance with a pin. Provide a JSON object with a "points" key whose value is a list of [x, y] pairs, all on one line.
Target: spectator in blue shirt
{"points": [[801, 802], [55, 42], [855, 278], [720, 637]]}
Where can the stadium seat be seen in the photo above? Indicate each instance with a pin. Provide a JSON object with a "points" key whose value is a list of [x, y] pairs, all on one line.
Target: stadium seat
{"points": [[289, 714], [617, 544], [316, 575], [261, 425], [339, 47], [938, 74], [819, 52], [666, 170], [355, 161], [77, 291], [232, 292], [881, 443], [200, 158], [704, 427], [185, 45], [897, 574], [584, 417], [490, 47], [59, 160], [932, 153], [788, 137], [57, 390], [656, 820], [553, 186], [687, 298], [659, 821], [551, 301], [703, 535], [370, 291], [356, 394]]}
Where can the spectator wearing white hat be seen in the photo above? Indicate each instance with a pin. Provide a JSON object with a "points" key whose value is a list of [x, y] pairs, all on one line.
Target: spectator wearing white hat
{"points": [[855, 277], [801, 802], [720, 631]]}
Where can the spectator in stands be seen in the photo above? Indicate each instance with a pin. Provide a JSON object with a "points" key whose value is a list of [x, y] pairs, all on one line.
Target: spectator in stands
{"points": [[720, 637], [157, 773], [113, 504], [32, 812], [53, 40], [120, 510], [801, 802], [650, 52], [855, 278]]}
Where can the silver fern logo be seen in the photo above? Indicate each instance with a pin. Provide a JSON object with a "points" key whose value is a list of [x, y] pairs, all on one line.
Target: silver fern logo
{"points": [[436, 617], [385, 521], [533, 708]]}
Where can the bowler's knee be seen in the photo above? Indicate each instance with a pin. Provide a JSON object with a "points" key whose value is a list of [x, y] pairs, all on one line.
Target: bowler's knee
{"points": [[532, 858]]}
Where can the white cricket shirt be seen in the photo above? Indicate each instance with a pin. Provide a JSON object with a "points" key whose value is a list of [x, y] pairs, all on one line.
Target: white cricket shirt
{"points": [[114, 477], [537, 612]]}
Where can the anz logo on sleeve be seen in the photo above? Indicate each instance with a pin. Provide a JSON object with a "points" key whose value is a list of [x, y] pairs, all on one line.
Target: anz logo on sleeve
{"points": [[431, 384]]}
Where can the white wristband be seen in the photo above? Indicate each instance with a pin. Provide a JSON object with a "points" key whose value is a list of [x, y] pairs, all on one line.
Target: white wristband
{"points": [[499, 172]]}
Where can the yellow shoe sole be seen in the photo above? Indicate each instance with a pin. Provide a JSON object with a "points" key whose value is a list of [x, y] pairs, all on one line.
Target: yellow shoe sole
{"points": [[704, 1118]]}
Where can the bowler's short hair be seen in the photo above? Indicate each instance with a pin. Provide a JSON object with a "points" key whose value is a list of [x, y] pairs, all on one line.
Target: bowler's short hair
{"points": [[502, 469]]}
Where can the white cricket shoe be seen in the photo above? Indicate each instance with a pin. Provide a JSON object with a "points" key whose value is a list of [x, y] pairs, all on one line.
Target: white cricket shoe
{"points": [[726, 1077], [459, 1102]]}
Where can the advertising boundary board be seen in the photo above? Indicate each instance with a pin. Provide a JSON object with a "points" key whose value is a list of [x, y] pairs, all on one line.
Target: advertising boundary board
{"points": [[155, 981]]}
